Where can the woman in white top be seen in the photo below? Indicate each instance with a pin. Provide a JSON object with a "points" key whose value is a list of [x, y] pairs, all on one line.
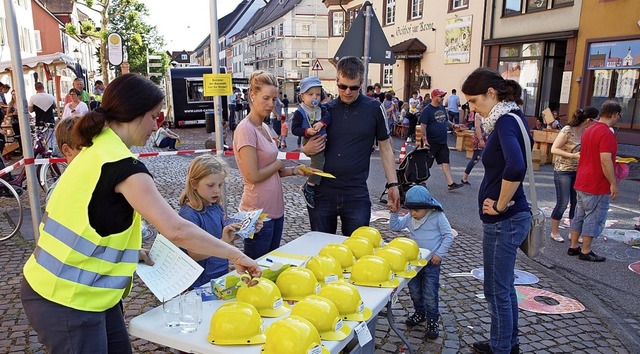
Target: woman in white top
{"points": [[76, 107], [165, 137]]}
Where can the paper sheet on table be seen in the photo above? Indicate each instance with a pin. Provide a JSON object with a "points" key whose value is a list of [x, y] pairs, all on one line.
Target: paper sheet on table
{"points": [[173, 270], [321, 174], [282, 258]]}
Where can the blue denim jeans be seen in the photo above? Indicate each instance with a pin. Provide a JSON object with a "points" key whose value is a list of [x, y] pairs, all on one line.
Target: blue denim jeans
{"points": [[499, 247], [265, 241], [564, 181], [591, 214], [353, 210], [477, 155], [423, 289]]}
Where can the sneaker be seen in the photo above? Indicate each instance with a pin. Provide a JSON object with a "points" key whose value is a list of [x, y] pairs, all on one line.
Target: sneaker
{"points": [[574, 251], [465, 182], [415, 319], [454, 186], [307, 192], [591, 257], [485, 348], [636, 227], [556, 237], [432, 329]]}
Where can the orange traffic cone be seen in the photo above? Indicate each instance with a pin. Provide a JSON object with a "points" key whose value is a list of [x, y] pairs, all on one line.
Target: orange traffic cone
{"points": [[403, 152]]}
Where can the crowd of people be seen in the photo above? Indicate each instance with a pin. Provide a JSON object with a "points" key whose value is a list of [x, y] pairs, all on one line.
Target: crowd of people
{"points": [[73, 296]]}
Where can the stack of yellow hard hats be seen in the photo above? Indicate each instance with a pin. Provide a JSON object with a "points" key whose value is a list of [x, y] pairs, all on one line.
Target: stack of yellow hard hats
{"points": [[347, 299], [323, 315], [236, 323], [359, 246], [398, 261], [265, 296], [370, 233], [410, 248], [293, 335], [296, 283], [373, 271], [326, 269], [341, 253]]}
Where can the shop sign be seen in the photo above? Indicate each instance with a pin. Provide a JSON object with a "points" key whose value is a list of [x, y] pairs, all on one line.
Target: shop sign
{"points": [[615, 55]]}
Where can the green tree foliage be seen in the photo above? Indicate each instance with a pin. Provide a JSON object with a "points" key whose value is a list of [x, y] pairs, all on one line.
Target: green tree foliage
{"points": [[127, 18]]}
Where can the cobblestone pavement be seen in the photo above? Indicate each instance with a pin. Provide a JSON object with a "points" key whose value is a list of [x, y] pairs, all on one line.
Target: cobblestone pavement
{"points": [[464, 316]]}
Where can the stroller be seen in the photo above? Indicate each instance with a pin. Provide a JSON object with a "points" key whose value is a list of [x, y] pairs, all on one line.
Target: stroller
{"points": [[413, 170]]}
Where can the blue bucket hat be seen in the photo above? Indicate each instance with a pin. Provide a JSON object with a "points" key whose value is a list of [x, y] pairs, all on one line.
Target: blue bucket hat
{"points": [[309, 82], [418, 197]]}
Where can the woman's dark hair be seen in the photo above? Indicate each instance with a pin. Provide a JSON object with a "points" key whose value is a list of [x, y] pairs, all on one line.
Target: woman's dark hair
{"points": [[583, 114], [76, 91], [482, 78], [126, 98]]}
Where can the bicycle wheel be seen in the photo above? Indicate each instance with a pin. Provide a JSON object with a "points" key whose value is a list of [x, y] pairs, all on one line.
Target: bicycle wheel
{"points": [[49, 173], [12, 192]]}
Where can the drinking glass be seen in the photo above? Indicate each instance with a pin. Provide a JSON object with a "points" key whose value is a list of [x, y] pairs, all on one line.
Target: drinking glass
{"points": [[190, 309], [171, 309]]}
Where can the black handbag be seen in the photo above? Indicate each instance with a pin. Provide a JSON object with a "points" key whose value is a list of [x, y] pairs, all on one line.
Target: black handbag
{"points": [[414, 169]]}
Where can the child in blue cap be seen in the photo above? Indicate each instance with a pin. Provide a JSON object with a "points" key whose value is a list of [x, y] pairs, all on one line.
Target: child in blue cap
{"points": [[308, 120], [429, 227]]}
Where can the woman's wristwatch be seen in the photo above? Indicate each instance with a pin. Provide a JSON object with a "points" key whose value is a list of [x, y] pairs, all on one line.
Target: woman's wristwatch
{"points": [[495, 208]]}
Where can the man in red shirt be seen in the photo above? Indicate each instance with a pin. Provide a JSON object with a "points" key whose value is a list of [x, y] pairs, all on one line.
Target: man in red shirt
{"points": [[595, 182]]}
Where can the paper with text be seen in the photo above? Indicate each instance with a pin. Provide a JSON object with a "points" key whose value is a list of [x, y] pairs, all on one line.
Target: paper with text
{"points": [[173, 270]]}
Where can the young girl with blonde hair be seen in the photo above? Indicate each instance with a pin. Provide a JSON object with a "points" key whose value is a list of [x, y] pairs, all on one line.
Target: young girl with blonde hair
{"points": [[200, 204]]}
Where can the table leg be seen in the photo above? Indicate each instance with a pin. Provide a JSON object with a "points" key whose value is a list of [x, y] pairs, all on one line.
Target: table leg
{"points": [[395, 329]]}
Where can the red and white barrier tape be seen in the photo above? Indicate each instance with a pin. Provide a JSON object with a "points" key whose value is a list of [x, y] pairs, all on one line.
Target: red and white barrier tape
{"points": [[281, 156]]}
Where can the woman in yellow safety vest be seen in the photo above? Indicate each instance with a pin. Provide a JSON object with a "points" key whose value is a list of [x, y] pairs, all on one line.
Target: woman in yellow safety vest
{"points": [[90, 235]]}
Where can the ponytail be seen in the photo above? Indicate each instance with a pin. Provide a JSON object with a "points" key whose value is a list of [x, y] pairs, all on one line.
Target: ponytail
{"points": [[87, 128]]}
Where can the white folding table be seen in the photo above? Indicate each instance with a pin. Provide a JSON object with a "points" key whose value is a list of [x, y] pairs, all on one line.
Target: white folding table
{"points": [[150, 325]]}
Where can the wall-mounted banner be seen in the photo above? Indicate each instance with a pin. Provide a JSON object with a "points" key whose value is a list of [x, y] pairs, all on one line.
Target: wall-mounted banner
{"points": [[457, 40], [114, 49]]}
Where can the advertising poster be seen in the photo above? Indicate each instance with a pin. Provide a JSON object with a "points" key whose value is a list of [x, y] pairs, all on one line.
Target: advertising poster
{"points": [[614, 55], [457, 40]]}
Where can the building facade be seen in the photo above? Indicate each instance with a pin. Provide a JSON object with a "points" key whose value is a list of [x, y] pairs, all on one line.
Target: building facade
{"points": [[607, 64]]}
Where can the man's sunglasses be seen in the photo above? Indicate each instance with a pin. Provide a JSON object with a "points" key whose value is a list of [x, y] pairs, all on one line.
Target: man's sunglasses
{"points": [[352, 88]]}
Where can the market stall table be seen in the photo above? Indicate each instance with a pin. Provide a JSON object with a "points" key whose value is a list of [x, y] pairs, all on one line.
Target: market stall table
{"points": [[150, 325]]}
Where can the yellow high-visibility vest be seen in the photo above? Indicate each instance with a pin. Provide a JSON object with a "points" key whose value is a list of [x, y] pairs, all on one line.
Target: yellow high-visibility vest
{"points": [[73, 265]]}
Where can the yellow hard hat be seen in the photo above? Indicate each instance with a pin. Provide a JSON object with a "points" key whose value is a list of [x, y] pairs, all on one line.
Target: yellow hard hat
{"points": [[373, 271], [370, 233], [265, 296], [410, 248], [398, 261], [324, 315], [359, 246], [325, 268], [296, 283], [341, 253], [293, 335], [347, 299], [236, 323]]}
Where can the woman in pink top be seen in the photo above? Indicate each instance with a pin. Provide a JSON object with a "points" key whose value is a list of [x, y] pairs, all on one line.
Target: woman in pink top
{"points": [[257, 157]]}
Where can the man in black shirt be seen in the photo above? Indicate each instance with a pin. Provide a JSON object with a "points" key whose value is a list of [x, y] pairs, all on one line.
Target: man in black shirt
{"points": [[43, 104], [356, 122]]}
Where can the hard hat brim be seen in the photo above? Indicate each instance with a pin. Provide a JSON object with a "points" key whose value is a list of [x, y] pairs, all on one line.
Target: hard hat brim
{"points": [[385, 284], [365, 315], [271, 313], [256, 339], [265, 350], [408, 274], [336, 335], [418, 262]]}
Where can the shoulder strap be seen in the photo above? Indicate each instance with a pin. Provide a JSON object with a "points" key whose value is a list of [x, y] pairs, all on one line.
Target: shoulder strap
{"points": [[527, 147]]}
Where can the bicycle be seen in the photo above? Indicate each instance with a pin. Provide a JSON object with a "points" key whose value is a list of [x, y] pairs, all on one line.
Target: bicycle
{"points": [[7, 190], [49, 172]]}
